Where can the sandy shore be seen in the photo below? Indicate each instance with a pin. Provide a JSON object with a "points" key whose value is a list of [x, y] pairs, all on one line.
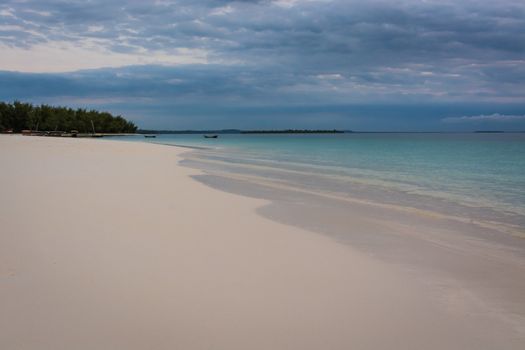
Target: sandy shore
{"points": [[112, 245]]}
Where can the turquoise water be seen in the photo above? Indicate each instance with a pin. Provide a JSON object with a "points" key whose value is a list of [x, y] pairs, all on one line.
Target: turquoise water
{"points": [[481, 174]]}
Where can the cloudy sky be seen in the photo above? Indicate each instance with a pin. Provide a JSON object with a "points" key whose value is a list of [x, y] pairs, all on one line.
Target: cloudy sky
{"points": [[353, 64]]}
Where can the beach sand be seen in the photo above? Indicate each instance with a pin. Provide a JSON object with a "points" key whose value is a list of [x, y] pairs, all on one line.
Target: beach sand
{"points": [[113, 245]]}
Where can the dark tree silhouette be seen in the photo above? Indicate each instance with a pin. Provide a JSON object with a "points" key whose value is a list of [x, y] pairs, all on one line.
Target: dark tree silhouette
{"points": [[20, 116]]}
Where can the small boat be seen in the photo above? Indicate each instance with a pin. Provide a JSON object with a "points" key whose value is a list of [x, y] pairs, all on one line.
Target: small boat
{"points": [[150, 136], [211, 136]]}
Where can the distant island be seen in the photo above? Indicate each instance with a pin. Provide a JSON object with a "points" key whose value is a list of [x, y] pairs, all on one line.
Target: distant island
{"points": [[294, 131], [237, 131], [17, 117]]}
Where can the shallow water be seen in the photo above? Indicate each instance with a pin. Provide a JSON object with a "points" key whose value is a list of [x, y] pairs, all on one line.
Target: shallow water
{"points": [[478, 177]]}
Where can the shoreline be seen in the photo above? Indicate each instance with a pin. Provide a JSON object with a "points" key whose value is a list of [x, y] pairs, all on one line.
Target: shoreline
{"points": [[369, 193], [113, 244]]}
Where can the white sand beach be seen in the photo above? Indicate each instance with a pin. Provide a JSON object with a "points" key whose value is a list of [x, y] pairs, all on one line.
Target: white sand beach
{"points": [[112, 245]]}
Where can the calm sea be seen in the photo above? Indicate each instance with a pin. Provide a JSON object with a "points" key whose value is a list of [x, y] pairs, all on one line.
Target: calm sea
{"points": [[476, 176]]}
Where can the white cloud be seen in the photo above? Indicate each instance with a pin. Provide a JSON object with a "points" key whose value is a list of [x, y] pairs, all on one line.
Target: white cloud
{"points": [[7, 13], [66, 57], [496, 117], [286, 3], [329, 76], [221, 11], [40, 13], [95, 29]]}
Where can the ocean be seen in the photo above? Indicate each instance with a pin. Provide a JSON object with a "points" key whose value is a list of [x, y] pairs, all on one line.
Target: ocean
{"points": [[473, 176]]}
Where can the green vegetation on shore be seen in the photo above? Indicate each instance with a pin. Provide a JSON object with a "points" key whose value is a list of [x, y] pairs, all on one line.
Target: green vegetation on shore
{"points": [[20, 116]]}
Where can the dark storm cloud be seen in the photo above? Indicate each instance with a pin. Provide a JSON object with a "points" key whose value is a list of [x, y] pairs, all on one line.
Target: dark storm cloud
{"points": [[262, 53], [188, 83], [355, 28]]}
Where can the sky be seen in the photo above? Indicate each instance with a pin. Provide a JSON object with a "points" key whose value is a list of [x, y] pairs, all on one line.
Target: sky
{"points": [[409, 65]]}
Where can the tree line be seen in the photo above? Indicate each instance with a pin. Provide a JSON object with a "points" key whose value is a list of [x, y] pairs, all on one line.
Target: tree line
{"points": [[295, 131], [18, 116]]}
